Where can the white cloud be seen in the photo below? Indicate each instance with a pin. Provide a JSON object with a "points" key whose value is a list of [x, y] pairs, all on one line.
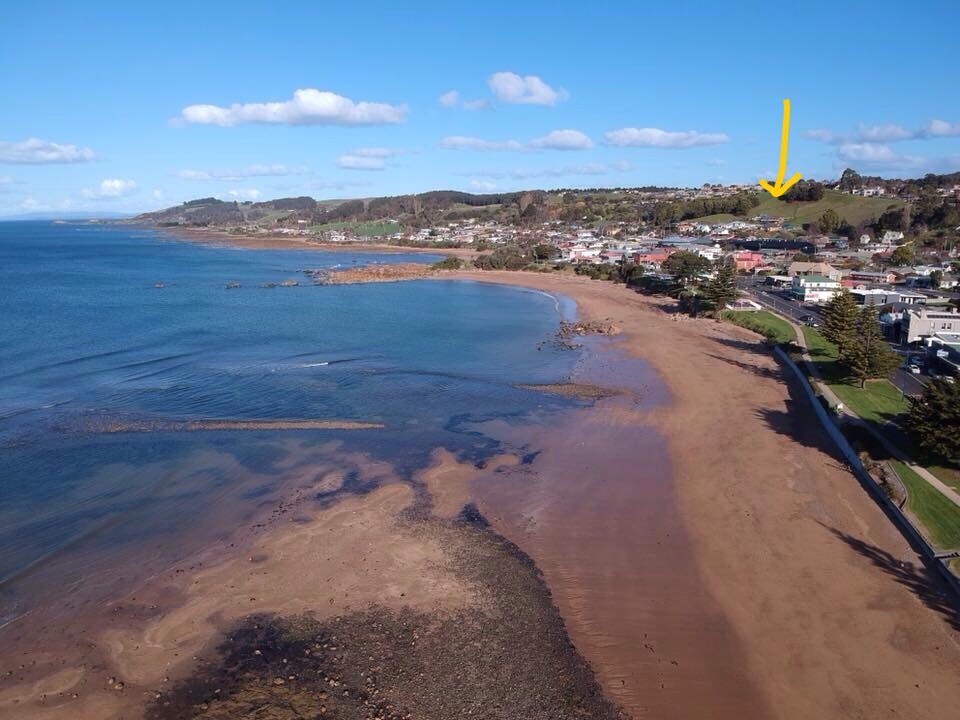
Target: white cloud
{"points": [[885, 132], [227, 174], [308, 106], [449, 99], [358, 162], [36, 151], [6, 183], [942, 128], [657, 138], [716, 162], [244, 193], [110, 189], [452, 99], [879, 156], [562, 140], [566, 139], [464, 142], [368, 158], [821, 134], [158, 194], [485, 185], [511, 88]]}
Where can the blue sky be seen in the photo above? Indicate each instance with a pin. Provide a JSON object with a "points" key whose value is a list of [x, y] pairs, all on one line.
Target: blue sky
{"points": [[119, 107]]}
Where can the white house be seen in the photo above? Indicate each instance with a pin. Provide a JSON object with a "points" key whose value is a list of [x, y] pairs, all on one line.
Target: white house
{"points": [[814, 288]]}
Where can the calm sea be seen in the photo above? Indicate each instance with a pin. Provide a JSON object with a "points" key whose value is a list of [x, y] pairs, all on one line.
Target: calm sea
{"points": [[109, 324]]}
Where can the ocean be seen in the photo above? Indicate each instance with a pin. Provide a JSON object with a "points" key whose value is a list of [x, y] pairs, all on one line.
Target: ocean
{"points": [[110, 327]]}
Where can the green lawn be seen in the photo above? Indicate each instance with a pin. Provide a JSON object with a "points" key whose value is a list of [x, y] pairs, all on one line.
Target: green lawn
{"points": [[852, 208], [880, 401], [766, 323], [366, 228], [937, 514]]}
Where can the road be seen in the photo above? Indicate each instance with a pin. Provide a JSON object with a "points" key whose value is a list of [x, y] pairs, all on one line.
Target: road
{"points": [[780, 302]]}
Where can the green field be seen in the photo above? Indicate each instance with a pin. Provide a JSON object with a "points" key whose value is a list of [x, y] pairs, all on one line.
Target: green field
{"points": [[852, 208], [766, 323], [880, 401], [937, 514], [365, 228]]}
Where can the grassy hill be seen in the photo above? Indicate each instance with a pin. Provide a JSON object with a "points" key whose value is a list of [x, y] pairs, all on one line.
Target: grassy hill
{"points": [[852, 208]]}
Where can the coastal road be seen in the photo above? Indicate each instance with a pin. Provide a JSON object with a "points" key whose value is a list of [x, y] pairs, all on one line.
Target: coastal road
{"points": [[779, 302], [902, 379]]}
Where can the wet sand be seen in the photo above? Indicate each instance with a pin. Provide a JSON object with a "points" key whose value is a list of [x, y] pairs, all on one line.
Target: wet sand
{"points": [[804, 600]]}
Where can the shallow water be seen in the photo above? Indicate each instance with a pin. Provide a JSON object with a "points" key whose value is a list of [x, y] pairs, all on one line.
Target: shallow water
{"points": [[116, 323]]}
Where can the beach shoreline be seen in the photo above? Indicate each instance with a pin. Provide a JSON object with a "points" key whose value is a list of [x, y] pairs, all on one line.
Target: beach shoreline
{"points": [[691, 587], [301, 242]]}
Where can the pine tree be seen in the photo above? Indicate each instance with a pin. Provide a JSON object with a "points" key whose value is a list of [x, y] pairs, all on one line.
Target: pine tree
{"points": [[722, 288], [840, 320], [934, 419], [867, 357]]}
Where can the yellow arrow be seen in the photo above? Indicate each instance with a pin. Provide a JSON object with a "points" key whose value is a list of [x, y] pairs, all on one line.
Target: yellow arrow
{"points": [[779, 187]]}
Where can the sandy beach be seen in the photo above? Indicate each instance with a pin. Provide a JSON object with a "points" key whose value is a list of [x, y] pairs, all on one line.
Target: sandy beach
{"points": [[690, 548], [822, 600]]}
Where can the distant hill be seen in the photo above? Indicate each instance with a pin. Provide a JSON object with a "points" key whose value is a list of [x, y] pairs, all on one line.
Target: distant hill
{"points": [[855, 209], [410, 210]]}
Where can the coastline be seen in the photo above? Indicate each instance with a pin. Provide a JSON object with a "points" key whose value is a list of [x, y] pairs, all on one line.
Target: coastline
{"points": [[753, 557], [815, 582], [296, 242]]}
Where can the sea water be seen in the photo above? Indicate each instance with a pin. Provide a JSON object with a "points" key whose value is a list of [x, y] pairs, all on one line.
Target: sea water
{"points": [[105, 325]]}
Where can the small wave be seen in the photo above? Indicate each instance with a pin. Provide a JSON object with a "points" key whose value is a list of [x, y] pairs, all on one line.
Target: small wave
{"points": [[316, 364]]}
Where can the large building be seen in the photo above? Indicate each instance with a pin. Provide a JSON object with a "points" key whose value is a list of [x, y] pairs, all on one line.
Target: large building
{"points": [[814, 268], [919, 323], [814, 288]]}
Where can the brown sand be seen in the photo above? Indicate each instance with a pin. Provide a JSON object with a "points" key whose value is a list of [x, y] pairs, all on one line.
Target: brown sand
{"points": [[819, 597]]}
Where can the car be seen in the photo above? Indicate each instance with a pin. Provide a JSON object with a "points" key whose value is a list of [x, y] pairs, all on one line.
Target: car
{"points": [[913, 369]]}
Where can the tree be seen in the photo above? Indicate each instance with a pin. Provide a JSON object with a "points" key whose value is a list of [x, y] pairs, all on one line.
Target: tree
{"points": [[868, 357], [934, 419], [685, 266], [903, 255], [722, 288], [936, 277], [544, 252], [850, 180], [830, 221], [803, 191], [840, 320]]}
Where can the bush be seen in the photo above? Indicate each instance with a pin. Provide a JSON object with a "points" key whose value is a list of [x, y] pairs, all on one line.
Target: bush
{"points": [[448, 263]]}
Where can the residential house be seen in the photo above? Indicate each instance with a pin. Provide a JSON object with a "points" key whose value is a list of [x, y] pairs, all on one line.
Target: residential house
{"points": [[748, 260], [814, 288], [813, 268], [869, 276]]}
